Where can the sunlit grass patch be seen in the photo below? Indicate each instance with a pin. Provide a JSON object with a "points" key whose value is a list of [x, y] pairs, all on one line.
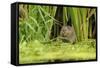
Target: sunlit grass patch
{"points": [[36, 52]]}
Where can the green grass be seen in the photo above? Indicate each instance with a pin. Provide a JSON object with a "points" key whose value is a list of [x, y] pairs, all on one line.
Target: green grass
{"points": [[36, 52], [37, 28]]}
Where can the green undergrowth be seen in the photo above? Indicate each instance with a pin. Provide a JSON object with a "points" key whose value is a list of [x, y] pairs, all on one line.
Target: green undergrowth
{"points": [[39, 52]]}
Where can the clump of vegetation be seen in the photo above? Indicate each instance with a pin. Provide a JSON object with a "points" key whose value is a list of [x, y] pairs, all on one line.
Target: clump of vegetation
{"points": [[40, 34], [36, 52]]}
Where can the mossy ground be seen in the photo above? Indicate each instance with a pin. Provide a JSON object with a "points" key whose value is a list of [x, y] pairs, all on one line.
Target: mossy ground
{"points": [[36, 52]]}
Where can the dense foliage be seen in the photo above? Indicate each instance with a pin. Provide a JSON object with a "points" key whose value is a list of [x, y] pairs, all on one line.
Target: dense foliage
{"points": [[35, 26]]}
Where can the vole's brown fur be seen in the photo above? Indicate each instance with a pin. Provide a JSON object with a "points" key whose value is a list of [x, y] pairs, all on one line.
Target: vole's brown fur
{"points": [[67, 34]]}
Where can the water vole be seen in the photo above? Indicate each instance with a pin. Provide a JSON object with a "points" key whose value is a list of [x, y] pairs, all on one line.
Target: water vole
{"points": [[67, 34]]}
